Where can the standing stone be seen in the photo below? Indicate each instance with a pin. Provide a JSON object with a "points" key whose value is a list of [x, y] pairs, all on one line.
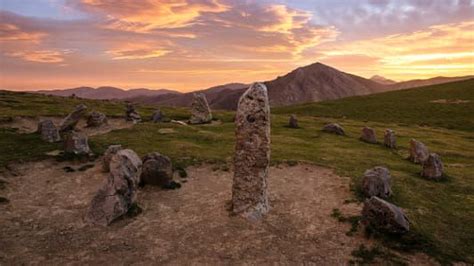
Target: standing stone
{"points": [[293, 122], [96, 119], [70, 122], [48, 131], [368, 135], [384, 216], [252, 153], [433, 167], [131, 114], [418, 152], [109, 153], [118, 195], [377, 182], [157, 116], [200, 111], [76, 143], [334, 129], [157, 170], [389, 139]]}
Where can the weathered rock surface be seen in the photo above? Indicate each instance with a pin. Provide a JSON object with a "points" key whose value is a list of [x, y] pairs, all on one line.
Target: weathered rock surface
{"points": [[418, 152], [109, 153], [368, 135], [252, 153], [334, 129], [118, 195], [433, 167], [384, 216], [70, 122], [96, 119], [389, 139], [48, 131], [131, 114], [377, 182], [157, 116], [77, 143], [200, 111], [157, 170], [293, 122]]}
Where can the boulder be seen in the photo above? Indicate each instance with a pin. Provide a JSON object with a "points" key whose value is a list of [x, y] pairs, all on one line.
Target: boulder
{"points": [[48, 131], [384, 216], [252, 153], [77, 143], [109, 153], [293, 122], [157, 170], [418, 152], [70, 122], [433, 167], [96, 119], [389, 139], [368, 135], [377, 182], [200, 111], [118, 194], [131, 114], [157, 116], [334, 129]]}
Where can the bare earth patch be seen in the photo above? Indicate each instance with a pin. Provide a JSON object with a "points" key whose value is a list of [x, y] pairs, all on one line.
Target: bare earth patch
{"points": [[43, 223]]}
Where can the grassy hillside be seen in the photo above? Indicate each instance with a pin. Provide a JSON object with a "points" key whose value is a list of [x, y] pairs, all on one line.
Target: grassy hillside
{"points": [[449, 105], [441, 213]]}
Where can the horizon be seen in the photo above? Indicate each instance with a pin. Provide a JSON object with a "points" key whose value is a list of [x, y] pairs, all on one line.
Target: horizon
{"points": [[190, 45]]}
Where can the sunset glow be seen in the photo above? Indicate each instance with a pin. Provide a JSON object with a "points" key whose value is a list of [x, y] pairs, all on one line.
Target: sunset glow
{"points": [[194, 44]]}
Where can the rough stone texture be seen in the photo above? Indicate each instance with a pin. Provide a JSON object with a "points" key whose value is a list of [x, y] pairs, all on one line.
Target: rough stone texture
{"points": [[418, 152], [200, 111], [131, 114], [334, 129], [433, 167], [70, 122], [77, 143], [157, 170], [368, 135], [157, 116], [389, 139], [109, 153], [385, 216], [252, 153], [115, 197], [377, 182], [96, 119], [293, 122], [48, 131]]}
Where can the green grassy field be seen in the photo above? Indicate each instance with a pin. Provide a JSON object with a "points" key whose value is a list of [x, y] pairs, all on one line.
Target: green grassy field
{"points": [[441, 213]]}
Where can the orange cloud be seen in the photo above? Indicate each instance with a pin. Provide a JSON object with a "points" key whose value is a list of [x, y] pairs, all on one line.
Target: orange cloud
{"points": [[11, 32], [137, 51], [43, 56]]}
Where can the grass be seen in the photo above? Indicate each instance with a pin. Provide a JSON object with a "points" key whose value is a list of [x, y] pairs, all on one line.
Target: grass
{"points": [[441, 213]]}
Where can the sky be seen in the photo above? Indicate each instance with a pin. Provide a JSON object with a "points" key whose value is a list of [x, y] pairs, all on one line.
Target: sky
{"points": [[187, 45]]}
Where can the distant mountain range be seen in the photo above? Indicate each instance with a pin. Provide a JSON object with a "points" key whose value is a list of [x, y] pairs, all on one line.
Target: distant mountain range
{"points": [[312, 83]]}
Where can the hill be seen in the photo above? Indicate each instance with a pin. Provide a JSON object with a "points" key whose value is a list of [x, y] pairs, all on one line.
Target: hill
{"points": [[102, 93], [382, 80]]}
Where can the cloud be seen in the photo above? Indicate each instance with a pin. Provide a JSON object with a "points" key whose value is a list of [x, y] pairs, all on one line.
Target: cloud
{"points": [[137, 51], [11, 32], [42, 56]]}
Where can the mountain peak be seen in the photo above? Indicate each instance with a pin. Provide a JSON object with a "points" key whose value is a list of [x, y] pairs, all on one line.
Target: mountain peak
{"points": [[382, 80]]}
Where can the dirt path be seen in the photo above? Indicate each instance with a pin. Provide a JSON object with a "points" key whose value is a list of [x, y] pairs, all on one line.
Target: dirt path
{"points": [[43, 223]]}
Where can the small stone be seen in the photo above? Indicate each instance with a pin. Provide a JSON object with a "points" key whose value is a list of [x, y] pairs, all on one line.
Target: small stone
{"points": [[433, 167], [377, 182], [166, 131], [418, 152], [293, 122], [109, 153], [131, 114], [157, 116], [157, 170], [76, 143], [48, 131], [200, 111], [384, 216], [96, 119], [334, 129], [389, 139], [70, 122], [368, 135]]}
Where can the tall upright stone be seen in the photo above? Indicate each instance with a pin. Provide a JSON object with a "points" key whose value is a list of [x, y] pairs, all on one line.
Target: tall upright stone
{"points": [[200, 111], [252, 153], [157, 116], [108, 154], [368, 135], [433, 167], [70, 122], [131, 114], [96, 119], [48, 131], [77, 143], [389, 139], [293, 122], [418, 152]]}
